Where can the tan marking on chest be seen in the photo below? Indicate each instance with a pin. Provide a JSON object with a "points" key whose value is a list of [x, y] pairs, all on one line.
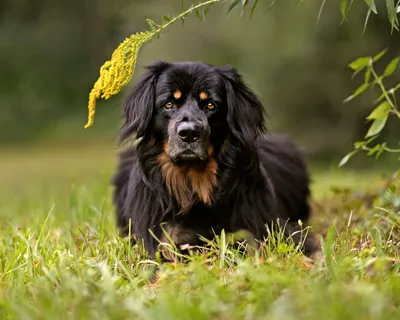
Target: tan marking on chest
{"points": [[187, 184]]}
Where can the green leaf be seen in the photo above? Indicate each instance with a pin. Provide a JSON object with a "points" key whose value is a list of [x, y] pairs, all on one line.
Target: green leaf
{"points": [[392, 13], [358, 91], [244, 4], [367, 76], [166, 18], [253, 8], [371, 5], [368, 141], [320, 9], [376, 148], [359, 144], [343, 8], [377, 81], [233, 5], [366, 20], [376, 234], [206, 10], [380, 151], [359, 63], [328, 248], [152, 24], [198, 14], [380, 112], [380, 97], [355, 73], [391, 67], [376, 127], [379, 55], [346, 158], [372, 8], [391, 214]]}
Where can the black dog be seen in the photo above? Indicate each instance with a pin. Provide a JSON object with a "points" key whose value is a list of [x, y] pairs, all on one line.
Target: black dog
{"points": [[203, 162]]}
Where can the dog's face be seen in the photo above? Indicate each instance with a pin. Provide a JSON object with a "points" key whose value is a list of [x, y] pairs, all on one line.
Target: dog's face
{"points": [[193, 108], [190, 112], [187, 115]]}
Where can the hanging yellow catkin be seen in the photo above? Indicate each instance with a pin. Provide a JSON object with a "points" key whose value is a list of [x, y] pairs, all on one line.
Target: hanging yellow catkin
{"points": [[117, 72]]}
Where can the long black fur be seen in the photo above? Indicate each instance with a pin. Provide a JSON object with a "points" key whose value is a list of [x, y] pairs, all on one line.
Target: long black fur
{"points": [[261, 177]]}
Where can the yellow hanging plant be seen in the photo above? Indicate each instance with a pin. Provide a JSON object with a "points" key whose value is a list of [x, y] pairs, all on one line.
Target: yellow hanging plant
{"points": [[118, 71]]}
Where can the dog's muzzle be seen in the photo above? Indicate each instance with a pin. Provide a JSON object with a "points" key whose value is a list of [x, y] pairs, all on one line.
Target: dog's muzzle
{"points": [[189, 138]]}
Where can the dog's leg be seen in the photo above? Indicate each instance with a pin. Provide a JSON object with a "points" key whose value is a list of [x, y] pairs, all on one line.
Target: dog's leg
{"points": [[181, 237]]}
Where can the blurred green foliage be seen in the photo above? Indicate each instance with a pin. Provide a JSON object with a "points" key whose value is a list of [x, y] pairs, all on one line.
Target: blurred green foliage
{"points": [[51, 53]]}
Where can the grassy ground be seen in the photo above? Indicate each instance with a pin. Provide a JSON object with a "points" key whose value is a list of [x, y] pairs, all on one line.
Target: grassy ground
{"points": [[61, 258]]}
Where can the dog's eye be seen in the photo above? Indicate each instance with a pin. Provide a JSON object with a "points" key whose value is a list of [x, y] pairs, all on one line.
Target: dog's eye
{"points": [[168, 105], [211, 106]]}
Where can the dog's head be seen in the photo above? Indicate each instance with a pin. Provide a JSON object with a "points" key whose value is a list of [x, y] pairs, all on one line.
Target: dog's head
{"points": [[186, 114], [193, 107]]}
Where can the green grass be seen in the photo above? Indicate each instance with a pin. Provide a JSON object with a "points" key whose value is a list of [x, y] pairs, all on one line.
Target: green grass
{"points": [[61, 257]]}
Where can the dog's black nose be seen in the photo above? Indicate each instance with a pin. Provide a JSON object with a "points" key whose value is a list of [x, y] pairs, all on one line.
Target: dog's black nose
{"points": [[189, 132]]}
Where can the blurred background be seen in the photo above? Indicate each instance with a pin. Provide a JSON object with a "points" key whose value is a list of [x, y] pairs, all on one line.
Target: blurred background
{"points": [[51, 52]]}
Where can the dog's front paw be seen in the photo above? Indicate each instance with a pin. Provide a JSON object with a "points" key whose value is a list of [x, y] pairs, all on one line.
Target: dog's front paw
{"points": [[182, 238]]}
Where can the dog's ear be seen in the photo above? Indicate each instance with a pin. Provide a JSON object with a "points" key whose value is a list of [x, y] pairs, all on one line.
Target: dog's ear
{"points": [[245, 111], [139, 107]]}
